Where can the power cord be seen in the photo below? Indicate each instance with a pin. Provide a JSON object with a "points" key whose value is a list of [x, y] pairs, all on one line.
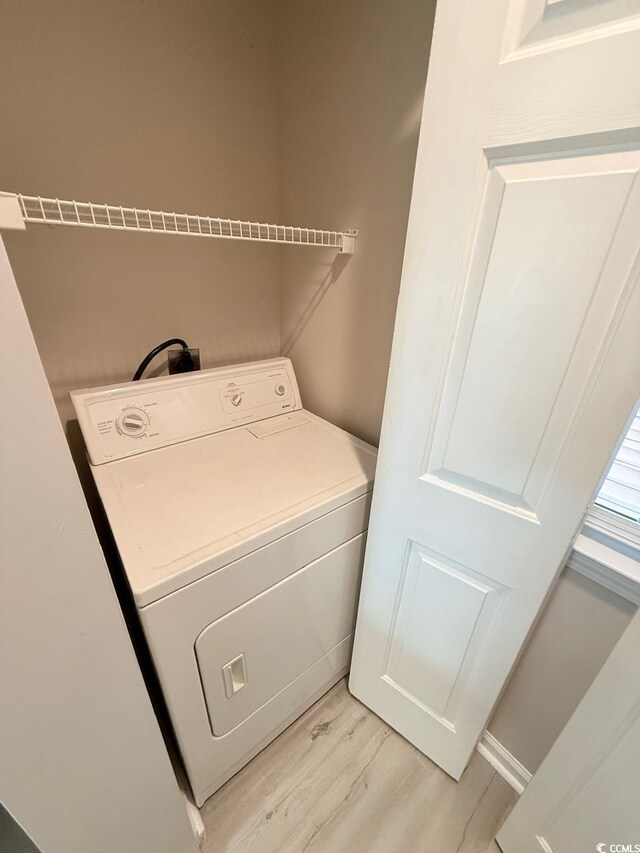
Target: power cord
{"points": [[185, 363]]}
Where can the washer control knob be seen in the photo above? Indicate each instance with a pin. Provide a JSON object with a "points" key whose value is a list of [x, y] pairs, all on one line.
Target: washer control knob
{"points": [[236, 399], [280, 389], [132, 422]]}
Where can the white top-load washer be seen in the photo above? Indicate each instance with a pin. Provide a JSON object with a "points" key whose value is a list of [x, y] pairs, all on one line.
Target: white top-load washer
{"points": [[240, 519]]}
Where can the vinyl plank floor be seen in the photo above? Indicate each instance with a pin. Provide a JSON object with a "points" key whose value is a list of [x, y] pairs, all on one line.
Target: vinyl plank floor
{"points": [[340, 780]]}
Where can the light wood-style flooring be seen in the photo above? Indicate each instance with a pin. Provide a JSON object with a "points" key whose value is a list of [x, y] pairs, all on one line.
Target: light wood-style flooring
{"points": [[340, 780]]}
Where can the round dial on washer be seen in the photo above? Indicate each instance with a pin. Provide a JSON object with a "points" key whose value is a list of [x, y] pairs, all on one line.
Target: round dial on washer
{"points": [[132, 422], [236, 399], [280, 389]]}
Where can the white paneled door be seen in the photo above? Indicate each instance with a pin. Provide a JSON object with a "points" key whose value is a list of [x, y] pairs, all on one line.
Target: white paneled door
{"points": [[584, 797], [516, 357]]}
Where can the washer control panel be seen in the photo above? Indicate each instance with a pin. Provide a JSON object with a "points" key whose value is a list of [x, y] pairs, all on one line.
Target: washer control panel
{"points": [[132, 422], [122, 420]]}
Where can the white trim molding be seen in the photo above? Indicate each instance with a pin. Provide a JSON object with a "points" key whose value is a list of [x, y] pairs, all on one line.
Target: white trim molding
{"points": [[611, 569], [506, 764], [195, 819], [612, 528]]}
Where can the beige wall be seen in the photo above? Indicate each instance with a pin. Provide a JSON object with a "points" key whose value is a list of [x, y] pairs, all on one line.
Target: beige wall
{"points": [[352, 81], [175, 105], [166, 105], [575, 634]]}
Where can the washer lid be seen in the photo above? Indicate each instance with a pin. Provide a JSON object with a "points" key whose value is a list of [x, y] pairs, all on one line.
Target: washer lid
{"points": [[182, 511]]}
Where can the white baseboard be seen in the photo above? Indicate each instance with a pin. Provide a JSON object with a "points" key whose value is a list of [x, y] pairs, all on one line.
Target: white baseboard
{"points": [[195, 819], [507, 766]]}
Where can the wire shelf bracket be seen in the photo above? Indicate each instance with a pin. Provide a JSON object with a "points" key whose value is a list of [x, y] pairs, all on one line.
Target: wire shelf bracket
{"points": [[17, 210]]}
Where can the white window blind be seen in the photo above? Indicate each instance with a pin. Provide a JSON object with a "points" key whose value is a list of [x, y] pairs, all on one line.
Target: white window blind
{"points": [[620, 491]]}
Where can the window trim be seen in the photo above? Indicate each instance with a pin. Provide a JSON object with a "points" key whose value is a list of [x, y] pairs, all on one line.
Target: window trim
{"points": [[607, 550], [608, 567], [614, 530]]}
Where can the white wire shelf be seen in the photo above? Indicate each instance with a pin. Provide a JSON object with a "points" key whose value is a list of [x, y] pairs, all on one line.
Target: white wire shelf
{"points": [[53, 211]]}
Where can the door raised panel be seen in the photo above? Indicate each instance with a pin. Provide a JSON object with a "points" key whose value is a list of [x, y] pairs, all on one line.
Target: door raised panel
{"points": [[549, 24], [434, 647], [553, 254]]}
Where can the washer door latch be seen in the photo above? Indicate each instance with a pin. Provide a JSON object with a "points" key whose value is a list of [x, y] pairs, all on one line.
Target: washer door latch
{"points": [[234, 674]]}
